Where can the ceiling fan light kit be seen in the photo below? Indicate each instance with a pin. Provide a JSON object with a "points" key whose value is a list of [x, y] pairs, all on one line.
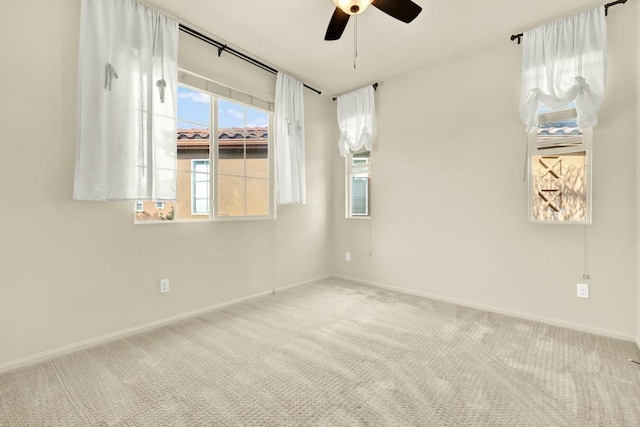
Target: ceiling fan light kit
{"points": [[352, 7]]}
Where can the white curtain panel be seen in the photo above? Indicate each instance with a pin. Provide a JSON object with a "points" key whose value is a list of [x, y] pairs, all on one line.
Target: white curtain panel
{"points": [[356, 120], [565, 62], [290, 157], [127, 93]]}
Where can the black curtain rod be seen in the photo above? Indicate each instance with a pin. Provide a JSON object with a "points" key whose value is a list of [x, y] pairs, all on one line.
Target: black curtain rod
{"points": [[375, 87], [224, 48], [606, 13]]}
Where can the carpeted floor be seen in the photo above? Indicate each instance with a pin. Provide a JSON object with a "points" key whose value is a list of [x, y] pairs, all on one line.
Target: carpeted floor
{"points": [[334, 353]]}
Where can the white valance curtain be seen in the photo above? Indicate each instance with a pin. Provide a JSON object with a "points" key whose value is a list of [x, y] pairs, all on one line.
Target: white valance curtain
{"points": [[565, 62], [290, 157], [356, 120], [127, 91]]}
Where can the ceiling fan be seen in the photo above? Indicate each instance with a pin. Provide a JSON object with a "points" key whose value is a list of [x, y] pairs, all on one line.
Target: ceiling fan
{"points": [[403, 10]]}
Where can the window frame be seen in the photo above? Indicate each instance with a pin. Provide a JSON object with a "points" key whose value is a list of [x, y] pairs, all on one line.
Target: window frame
{"points": [[350, 166], [213, 216], [535, 150], [214, 153]]}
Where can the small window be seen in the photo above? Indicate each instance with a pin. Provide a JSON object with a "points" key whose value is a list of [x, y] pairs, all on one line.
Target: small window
{"points": [[560, 170], [159, 206], [358, 185], [139, 206]]}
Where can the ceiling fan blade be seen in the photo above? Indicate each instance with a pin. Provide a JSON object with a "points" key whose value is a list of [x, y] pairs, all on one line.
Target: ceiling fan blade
{"points": [[337, 25], [404, 10]]}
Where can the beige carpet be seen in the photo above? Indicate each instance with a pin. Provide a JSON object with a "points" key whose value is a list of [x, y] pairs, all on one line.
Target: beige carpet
{"points": [[336, 354]]}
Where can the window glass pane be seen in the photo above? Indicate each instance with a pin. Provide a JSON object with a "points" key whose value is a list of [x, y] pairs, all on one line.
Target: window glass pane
{"points": [[359, 199], [152, 211], [257, 196], [194, 142], [560, 187], [243, 160], [360, 184], [231, 195], [558, 129], [194, 147]]}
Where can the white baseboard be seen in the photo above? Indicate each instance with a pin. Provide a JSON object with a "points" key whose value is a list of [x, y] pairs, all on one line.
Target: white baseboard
{"points": [[527, 316], [102, 339]]}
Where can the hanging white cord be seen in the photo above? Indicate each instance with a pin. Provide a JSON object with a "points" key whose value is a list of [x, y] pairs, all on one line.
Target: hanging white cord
{"points": [[585, 274], [370, 238], [525, 169], [272, 258], [355, 41]]}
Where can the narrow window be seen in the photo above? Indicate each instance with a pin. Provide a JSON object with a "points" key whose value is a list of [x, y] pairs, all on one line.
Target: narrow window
{"points": [[358, 185], [560, 170]]}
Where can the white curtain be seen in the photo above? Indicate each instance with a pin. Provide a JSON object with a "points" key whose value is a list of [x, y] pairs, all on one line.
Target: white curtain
{"points": [[356, 120], [127, 91], [565, 62], [290, 158]]}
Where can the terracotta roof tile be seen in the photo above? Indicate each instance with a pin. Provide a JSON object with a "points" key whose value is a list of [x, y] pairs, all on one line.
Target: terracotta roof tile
{"points": [[225, 133]]}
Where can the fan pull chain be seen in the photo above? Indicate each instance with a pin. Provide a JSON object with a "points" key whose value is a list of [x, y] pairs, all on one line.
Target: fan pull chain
{"points": [[355, 41]]}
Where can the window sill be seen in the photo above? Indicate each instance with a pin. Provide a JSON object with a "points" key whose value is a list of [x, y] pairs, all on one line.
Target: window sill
{"points": [[205, 220]]}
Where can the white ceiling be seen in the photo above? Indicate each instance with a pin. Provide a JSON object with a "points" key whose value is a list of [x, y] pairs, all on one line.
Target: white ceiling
{"points": [[289, 34]]}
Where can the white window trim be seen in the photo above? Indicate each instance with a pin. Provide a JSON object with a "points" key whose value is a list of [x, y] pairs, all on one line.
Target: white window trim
{"points": [[349, 187], [139, 209], [201, 84], [534, 150]]}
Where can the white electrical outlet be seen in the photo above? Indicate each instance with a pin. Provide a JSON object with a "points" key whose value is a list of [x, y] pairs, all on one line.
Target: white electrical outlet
{"points": [[583, 290], [347, 256], [164, 286]]}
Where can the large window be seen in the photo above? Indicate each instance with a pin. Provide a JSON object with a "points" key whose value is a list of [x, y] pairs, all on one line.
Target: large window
{"points": [[358, 185], [224, 176], [560, 170]]}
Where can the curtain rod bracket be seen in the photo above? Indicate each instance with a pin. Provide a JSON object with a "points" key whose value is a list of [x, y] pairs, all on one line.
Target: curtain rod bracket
{"points": [[375, 88], [221, 49], [606, 13]]}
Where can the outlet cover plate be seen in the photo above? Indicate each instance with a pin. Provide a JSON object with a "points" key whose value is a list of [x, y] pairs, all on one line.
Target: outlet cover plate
{"points": [[583, 290], [164, 286], [347, 256]]}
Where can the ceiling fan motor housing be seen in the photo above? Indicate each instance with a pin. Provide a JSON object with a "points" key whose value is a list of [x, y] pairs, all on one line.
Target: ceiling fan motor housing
{"points": [[352, 7]]}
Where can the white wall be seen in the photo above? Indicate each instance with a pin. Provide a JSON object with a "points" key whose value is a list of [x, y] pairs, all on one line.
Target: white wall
{"points": [[450, 208], [72, 271]]}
